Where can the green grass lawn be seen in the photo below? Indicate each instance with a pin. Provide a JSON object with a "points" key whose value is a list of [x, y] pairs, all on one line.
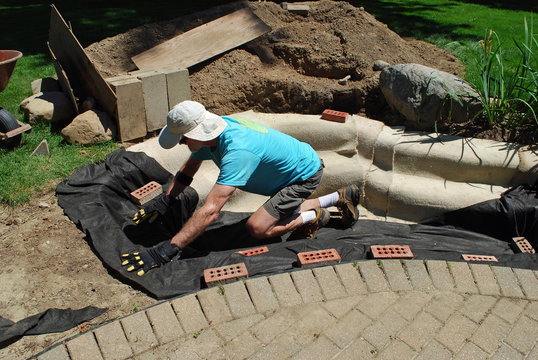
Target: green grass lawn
{"points": [[453, 25]]}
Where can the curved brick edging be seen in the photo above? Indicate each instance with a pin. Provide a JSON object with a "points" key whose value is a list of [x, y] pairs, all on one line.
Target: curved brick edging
{"points": [[389, 309]]}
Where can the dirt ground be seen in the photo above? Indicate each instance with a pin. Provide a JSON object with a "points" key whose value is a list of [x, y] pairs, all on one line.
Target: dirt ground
{"points": [[46, 261]]}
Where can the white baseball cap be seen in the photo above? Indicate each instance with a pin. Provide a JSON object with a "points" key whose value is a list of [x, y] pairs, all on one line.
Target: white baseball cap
{"points": [[191, 119]]}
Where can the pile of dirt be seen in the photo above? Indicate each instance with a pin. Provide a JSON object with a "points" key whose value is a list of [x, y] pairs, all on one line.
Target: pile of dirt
{"points": [[293, 68]]}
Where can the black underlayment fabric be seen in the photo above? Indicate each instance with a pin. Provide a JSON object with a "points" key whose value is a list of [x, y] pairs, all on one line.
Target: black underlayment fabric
{"points": [[96, 198], [49, 321]]}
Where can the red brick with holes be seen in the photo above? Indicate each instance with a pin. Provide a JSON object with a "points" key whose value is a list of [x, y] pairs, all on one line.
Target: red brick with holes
{"points": [[520, 244], [225, 274], [146, 193], [469, 257], [318, 257], [252, 252], [391, 251], [333, 115]]}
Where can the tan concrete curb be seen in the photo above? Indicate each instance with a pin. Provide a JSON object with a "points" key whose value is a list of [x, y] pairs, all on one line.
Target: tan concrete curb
{"points": [[404, 175]]}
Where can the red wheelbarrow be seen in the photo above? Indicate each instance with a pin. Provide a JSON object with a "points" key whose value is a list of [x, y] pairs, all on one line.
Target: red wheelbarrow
{"points": [[10, 128]]}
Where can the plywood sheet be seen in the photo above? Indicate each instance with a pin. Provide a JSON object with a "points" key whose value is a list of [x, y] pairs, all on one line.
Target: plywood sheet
{"points": [[82, 74], [203, 42], [64, 81]]}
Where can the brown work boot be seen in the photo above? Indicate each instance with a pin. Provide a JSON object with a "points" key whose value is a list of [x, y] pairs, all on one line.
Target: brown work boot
{"points": [[348, 199], [309, 230]]}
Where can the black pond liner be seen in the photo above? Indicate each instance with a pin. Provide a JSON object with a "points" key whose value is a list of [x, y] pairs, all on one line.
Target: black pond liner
{"points": [[96, 198]]}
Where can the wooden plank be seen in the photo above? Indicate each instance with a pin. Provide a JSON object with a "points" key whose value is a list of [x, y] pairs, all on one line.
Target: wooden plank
{"points": [[63, 80], [82, 74], [203, 42]]}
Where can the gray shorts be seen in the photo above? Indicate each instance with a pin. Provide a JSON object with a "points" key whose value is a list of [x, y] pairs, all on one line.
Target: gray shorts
{"points": [[288, 200]]}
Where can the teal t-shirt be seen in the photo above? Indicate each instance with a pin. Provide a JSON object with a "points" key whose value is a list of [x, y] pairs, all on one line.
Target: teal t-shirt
{"points": [[258, 159]]}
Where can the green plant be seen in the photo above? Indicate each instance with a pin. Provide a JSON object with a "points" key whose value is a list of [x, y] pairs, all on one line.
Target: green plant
{"points": [[509, 98], [197, 333], [221, 290]]}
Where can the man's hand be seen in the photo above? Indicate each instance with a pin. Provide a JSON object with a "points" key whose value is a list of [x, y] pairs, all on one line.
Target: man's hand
{"points": [[145, 260], [153, 209]]}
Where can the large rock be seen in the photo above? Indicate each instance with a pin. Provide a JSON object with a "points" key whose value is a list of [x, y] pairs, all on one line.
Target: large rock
{"points": [[89, 128], [425, 96], [47, 107]]}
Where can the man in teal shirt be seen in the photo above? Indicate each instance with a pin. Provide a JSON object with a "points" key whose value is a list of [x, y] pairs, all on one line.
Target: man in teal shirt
{"points": [[253, 158]]}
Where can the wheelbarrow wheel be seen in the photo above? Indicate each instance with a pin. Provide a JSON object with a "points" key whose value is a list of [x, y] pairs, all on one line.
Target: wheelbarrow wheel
{"points": [[8, 123]]}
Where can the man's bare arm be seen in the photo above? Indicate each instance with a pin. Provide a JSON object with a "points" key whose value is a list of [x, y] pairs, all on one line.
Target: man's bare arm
{"points": [[204, 216]]}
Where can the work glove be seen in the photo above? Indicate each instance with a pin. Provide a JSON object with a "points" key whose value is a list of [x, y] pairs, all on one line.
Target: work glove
{"points": [[155, 208], [145, 260]]}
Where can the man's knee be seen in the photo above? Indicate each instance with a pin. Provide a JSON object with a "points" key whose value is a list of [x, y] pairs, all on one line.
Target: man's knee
{"points": [[256, 230]]}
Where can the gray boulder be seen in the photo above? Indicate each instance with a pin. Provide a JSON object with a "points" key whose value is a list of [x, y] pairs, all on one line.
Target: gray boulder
{"points": [[89, 128], [48, 107], [425, 96]]}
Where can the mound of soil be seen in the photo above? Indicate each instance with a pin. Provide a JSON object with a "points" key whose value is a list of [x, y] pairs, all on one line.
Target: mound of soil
{"points": [[293, 68]]}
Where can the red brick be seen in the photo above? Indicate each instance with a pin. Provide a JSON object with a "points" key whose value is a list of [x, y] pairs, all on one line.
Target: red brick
{"points": [[468, 257], [333, 115], [146, 193], [520, 244], [318, 257], [391, 251], [225, 274], [255, 251]]}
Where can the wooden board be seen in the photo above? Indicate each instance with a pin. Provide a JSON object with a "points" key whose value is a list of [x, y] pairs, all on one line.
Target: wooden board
{"points": [[203, 42], [82, 74], [63, 80]]}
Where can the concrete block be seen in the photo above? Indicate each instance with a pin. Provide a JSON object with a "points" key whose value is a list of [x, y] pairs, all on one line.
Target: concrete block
{"points": [[307, 285], [330, 285], [130, 110], [350, 277], [164, 322], [261, 294], [396, 275], [285, 290], [56, 353], [146, 193], [418, 275], [139, 332], [214, 306], [463, 279], [373, 276], [112, 341], [189, 313], [238, 300], [155, 93], [84, 347], [177, 85]]}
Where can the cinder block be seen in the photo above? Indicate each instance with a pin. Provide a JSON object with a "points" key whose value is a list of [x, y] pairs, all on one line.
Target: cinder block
{"points": [[146, 193], [318, 257], [301, 9], [155, 94], [225, 274], [255, 251], [177, 85], [333, 115], [130, 113], [391, 251], [468, 257], [520, 244]]}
